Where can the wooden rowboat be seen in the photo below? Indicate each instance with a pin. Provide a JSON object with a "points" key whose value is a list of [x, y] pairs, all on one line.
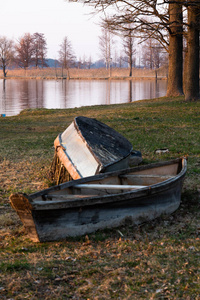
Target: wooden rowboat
{"points": [[106, 200], [89, 147]]}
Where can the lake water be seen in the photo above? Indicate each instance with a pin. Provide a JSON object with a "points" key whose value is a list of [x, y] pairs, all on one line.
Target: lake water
{"points": [[16, 95]]}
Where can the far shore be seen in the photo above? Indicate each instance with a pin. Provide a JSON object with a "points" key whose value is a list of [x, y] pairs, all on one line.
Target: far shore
{"points": [[86, 74]]}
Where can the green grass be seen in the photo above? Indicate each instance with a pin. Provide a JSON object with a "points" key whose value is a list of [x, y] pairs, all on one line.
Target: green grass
{"points": [[16, 266], [156, 260]]}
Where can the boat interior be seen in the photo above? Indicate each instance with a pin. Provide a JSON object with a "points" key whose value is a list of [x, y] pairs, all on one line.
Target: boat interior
{"points": [[115, 184]]}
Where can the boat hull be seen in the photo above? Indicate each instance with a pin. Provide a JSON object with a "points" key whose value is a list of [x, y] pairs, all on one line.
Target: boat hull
{"points": [[57, 220], [60, 224], [88, 147]]}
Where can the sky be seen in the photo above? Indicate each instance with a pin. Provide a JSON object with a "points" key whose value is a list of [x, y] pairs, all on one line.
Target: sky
{"points": [[55, 19]]}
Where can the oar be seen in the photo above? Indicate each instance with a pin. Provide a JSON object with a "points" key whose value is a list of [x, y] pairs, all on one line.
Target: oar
{"points": [[109, 186]]}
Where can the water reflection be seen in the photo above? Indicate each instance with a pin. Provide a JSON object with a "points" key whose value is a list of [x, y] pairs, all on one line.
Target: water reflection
{"points": [[16, 95]]}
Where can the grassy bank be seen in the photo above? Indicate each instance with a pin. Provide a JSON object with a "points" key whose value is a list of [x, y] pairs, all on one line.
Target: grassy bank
{"points": [[158, 260]]}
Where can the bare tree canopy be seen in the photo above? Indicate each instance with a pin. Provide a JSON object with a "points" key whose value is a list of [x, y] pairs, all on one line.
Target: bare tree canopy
{"points": [[148, 18], [6, 53], [39, 49], [31, 50], [66, 53], [25, 51], [106, 43], [154, 55]]}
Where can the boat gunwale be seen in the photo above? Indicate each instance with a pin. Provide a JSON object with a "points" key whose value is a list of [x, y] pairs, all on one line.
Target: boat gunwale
{"points": [[108, 198]]}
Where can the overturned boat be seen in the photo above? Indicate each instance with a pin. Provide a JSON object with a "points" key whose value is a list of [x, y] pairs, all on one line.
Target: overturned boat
{"points": [[89, 147], [85, 205]]}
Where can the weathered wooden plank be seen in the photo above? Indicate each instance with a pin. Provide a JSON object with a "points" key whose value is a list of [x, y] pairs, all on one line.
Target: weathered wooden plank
{"points": [[66, 197], [146, 176], [143, 179]]}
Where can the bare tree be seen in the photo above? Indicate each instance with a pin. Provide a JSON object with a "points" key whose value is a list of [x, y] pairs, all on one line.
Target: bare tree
{"points": [[66, 54], [79, 63], [122, 59], [6, 53], [105, 44], [153, 54], [116, 58], [25, 51], [147, 55], [128, 43], [39, 49], [84, 62], [89, 62]]}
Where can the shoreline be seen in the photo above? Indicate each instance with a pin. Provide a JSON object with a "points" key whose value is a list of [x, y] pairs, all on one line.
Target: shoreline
{"points": [[86, 74], [82, 78]]}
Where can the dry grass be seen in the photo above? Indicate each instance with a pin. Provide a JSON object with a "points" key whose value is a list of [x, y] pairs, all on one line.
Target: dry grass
{"points": [[115, 73], [158, 260]]}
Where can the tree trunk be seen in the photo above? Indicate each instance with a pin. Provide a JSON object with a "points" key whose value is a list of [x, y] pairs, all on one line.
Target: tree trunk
{"points": [[175, 70], [4, 71], [131, 67], [192, 59]]}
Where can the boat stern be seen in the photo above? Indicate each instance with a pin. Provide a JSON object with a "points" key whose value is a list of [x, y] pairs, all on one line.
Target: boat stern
{"points": [[21, 204]]}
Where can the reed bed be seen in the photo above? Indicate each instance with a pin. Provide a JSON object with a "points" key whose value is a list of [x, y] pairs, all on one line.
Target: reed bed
{"points": [[58, 73]]}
